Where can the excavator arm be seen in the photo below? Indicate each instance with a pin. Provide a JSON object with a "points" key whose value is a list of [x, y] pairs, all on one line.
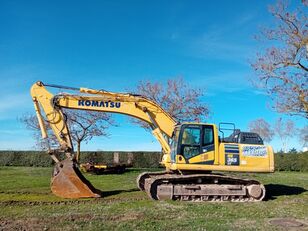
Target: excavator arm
{"points": [[67, 180]]}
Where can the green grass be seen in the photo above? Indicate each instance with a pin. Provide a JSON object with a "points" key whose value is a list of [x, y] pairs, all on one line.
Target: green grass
{"points": [[27, 204]]}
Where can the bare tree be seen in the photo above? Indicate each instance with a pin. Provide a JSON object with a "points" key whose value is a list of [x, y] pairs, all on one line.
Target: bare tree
{"points": [[83, 126], [285, 131], [177, 98], [31, 123], [263, 128], [303, 136], [282, 68]]}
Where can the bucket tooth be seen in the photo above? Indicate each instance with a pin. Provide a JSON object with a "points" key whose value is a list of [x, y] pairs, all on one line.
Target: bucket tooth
{"points": [[68, 182]]}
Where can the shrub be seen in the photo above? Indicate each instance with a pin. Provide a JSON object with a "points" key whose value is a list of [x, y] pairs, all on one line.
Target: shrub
{"points": [[42, 159], [283, 161], [291, 162]]}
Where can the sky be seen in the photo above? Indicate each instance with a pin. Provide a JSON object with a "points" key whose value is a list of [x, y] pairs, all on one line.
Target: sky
{"points": [[113, 45]]}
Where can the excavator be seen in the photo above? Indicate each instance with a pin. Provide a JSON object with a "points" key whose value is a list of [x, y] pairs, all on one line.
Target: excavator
{"points": [[194, 154]]}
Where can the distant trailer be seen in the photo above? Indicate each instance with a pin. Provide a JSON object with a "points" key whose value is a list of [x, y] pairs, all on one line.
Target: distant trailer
{"points": [[103, 168]]}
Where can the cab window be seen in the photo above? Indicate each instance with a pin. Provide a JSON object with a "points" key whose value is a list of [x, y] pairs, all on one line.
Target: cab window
{"points": [[174, 144], [191, 142], [208, 136], [191, 136]]}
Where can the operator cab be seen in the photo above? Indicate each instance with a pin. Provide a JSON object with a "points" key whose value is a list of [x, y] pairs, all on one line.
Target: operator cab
{"points": [[191, 140], [195, 143]]}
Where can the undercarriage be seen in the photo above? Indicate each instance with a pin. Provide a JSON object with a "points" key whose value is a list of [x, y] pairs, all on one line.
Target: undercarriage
{"points": [[200, 187]]}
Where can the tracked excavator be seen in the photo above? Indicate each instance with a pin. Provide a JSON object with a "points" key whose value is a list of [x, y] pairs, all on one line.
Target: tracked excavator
{"points": [[191, 151]]}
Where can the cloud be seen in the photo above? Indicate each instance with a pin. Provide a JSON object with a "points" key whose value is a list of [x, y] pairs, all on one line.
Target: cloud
{"points": [[14, 136], [223, 82], [15, 102], [13, 106], [206, 47], [18, 144], [259, 92], [244, 19], [228, 42], [16, 77], [15, 90], [10, 132]]}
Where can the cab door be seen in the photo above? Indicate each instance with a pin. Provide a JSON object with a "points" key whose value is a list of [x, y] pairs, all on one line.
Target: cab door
{"points": [[207, 145]]}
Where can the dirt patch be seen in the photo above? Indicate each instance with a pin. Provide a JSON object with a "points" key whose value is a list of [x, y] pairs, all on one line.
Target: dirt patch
{"points": [[167, 205], [76, 217], [126, 217], [24, 224], [91, 217], [52, 223], [288, 223], [242, 223]]}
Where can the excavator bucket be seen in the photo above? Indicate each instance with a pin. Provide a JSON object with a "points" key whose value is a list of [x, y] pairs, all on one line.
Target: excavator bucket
{"points": [[68, 182]]}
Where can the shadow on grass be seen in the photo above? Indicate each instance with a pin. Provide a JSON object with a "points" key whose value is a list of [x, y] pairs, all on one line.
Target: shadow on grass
{"points": [[275, 190]]}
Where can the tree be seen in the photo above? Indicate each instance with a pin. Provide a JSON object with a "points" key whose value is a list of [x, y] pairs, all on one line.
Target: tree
{"points": [[263, 128], [293, 151], [176, 97], [30, 121], [83, 126], [303, 136], [282, 68], [285, 131]]}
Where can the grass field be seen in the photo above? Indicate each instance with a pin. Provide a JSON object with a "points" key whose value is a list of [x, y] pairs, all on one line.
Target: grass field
{"points": [[27, 204]]}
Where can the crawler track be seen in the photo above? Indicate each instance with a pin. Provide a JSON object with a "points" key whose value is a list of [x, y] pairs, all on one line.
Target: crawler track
{"points": [[200, 187]]}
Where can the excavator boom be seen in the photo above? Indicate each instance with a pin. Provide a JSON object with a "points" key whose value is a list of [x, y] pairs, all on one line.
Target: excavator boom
{"points": [[67, 181]]}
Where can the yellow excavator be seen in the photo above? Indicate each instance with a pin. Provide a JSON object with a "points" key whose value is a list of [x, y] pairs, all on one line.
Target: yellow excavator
{"points": [[191, 151]]}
